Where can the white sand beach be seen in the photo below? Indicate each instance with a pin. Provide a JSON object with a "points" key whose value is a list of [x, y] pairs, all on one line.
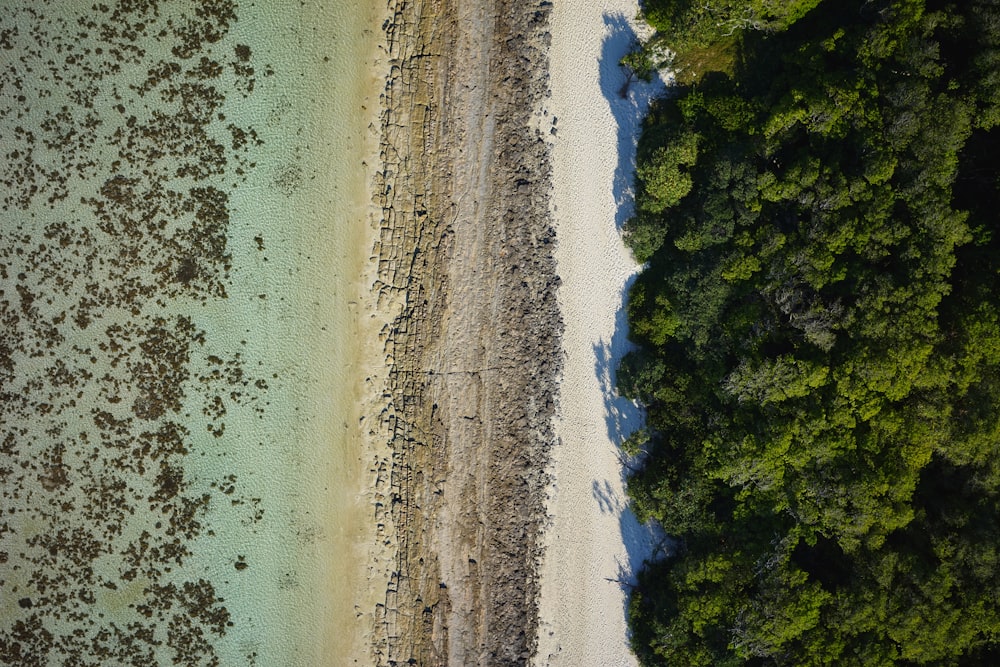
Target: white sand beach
{"points": [[593, 543]]}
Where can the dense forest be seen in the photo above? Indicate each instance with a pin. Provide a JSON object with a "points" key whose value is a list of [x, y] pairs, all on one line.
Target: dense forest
{"points": [[818, 334]]}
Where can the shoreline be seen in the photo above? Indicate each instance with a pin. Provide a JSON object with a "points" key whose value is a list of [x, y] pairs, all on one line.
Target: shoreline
{"points": [[465, 295], [347, 511]]}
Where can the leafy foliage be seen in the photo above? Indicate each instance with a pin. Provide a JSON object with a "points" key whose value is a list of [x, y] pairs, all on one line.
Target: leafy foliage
{"points": [[644, 58], [819, 344], [703, 33]]}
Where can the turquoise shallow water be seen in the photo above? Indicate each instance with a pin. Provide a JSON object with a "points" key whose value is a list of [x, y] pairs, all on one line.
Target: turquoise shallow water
{"points": [[182, 227]]}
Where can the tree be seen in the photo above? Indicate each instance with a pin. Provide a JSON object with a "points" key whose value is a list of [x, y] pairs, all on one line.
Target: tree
{"points": [[642, 61]]}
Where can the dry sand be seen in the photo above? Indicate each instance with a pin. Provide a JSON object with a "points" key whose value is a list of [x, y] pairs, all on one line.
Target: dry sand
{"points": [[594, 543]]}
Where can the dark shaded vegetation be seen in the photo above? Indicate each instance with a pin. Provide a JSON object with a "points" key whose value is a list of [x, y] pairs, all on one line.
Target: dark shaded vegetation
{"points": [[818, 339]]}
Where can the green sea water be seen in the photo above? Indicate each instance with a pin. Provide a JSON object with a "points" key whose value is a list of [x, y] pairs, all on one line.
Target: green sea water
{"points": [[183, 224]]}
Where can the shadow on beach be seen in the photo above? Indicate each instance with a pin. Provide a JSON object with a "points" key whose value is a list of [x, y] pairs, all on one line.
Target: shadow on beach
{"points": [[623, 417]]}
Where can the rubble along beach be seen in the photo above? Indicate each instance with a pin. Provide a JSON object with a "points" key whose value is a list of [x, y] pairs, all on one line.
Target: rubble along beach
{"points": [[465, 296]]}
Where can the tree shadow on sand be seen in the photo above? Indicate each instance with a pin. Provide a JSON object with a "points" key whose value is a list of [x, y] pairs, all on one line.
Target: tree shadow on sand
{"points": [[629, 103], [628, 109]]}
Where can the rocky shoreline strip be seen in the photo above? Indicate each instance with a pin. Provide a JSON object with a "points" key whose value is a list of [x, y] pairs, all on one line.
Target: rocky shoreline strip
{"points": [[466, 287]]}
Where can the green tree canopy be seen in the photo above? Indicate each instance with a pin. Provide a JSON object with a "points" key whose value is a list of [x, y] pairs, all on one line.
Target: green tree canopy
{"points": [[818, 336]]}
